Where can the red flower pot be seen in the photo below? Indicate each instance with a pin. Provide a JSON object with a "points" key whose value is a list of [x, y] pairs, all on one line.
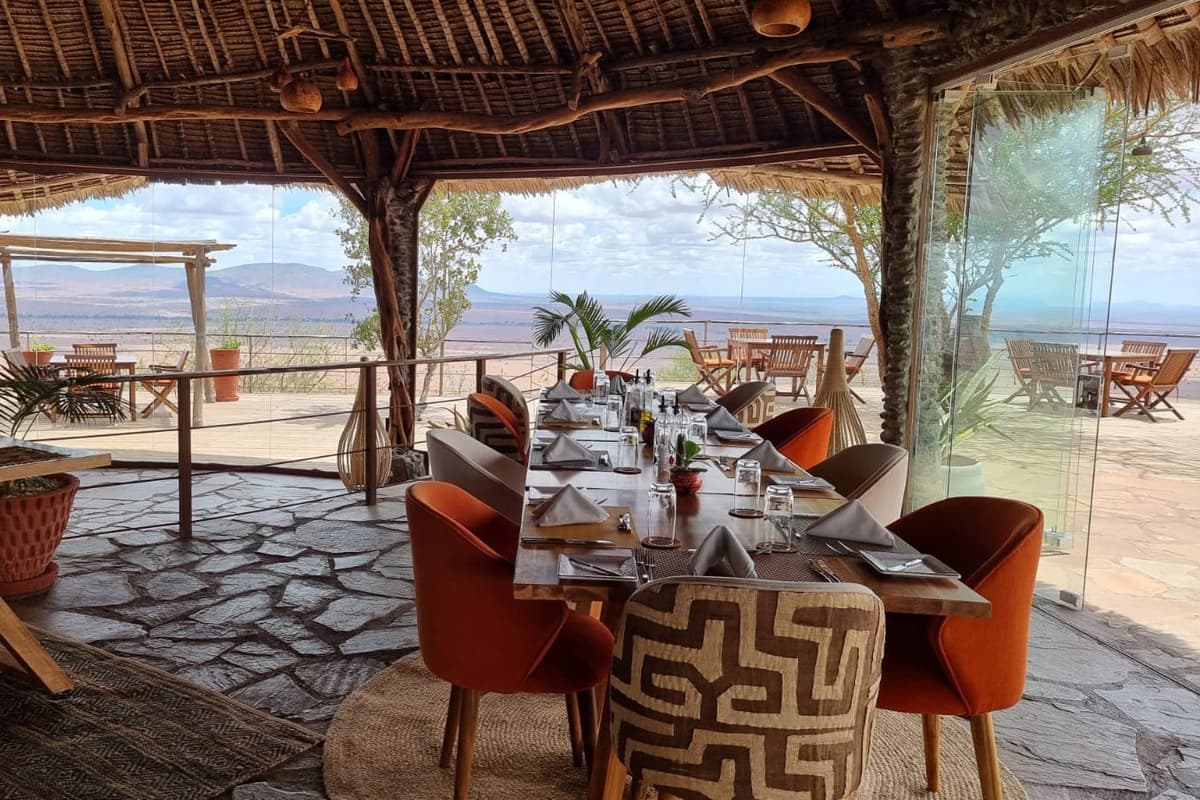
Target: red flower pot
{"points": [[687, 481], [226, 387], [39, 357], [31, 526]]}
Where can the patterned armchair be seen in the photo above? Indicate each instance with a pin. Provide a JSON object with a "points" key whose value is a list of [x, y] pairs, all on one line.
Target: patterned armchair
{"points": [[493, 423], [747, 689], [507, 393]]}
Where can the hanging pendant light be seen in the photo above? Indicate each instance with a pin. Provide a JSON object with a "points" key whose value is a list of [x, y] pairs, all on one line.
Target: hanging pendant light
{"points": [[1142, 148], [347, 80], [781, 17], [301, 95]]}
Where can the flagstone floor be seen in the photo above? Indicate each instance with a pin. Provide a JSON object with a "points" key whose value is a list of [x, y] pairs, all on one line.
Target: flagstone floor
{"points": [[290, 609]]}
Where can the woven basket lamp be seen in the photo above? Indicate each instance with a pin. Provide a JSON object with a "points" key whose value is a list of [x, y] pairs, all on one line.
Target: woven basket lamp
{"points": [[352, 447], [834, 394], [778, 18]]}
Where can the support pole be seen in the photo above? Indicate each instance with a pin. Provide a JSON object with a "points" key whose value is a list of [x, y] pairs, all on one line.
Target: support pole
{"points": [[184, 453], [196, 277], [10, 300]]}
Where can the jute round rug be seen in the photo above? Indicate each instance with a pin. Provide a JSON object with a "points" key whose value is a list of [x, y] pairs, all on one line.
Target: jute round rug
{"points": [[385, 738]]}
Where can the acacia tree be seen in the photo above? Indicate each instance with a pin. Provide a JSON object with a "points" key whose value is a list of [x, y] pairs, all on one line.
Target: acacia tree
{"points": [[455, 230]]}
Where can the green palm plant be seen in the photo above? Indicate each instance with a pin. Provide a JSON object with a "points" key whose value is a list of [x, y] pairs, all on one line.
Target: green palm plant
{"points": [[583, 318], [27, 390], [967, 407]]}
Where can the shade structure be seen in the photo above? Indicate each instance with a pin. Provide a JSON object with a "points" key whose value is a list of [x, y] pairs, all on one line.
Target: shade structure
{"points": [[834, 394]]}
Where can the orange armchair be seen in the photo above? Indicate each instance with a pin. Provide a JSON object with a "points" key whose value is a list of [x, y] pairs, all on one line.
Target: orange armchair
{"points": [[475, 634], [583, 380], [961, 666], [801, 434]]}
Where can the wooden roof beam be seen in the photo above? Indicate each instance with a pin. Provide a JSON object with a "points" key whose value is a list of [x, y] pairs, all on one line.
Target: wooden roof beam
{"points": [[801, 86], [48, 243], [315, 157], [125, 72], [84, 257]]}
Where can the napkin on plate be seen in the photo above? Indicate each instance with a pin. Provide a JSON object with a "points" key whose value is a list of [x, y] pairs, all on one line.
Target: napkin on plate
{"points": [[771, 459], [719, 419], [568, 506], [562, 391], [565, 450], [564, 412], [692, 394], [616, 385], [721, 553], [852, 523]]}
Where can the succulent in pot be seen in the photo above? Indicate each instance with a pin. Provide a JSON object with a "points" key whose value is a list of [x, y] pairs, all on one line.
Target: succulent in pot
{"points": [[686, 477]]}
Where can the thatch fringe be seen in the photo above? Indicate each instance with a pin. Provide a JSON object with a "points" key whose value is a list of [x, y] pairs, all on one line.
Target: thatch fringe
{"points": [[25, 194]]}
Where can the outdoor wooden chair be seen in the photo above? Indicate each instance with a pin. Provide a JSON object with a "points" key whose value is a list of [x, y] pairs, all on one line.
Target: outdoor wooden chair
{"points": [[716, 371], [161, 388], [1150, 386], [1123, 370], [1020, 354], [79, 365], [739, 352], [856, 359], [1054, 366], [791, 357], [95, 348]]}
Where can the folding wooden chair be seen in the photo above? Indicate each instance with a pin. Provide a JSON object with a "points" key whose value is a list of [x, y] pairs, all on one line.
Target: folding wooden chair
{"points": [[1020, 353], [24, 655], [160, 388], [95, 349], [1123, 370], [856, 359], [715, 370], [1148, 388], [791, 357], [1054, 366], [740, 353]]}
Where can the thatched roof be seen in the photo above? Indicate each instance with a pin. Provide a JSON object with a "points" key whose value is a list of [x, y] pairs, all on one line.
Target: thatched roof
{"points": [[26, 193]]}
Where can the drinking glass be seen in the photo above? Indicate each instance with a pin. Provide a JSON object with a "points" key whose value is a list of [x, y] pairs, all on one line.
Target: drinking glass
{"points": [[775, 532], [747, 477], [666, 397], [697, 430], [612, 414], [660, 517], [600, 387], [629, 442]]}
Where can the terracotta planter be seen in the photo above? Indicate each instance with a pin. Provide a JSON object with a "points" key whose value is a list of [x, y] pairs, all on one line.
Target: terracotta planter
{"points": [[687, 481], [226, 387], [30, 529], [40, 357]]}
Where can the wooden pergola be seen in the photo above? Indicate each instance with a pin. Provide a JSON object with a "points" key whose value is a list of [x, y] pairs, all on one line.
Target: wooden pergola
{"points": [[537, 90]]}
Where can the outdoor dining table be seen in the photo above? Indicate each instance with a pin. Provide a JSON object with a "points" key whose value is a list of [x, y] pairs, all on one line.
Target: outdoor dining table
{"points": [[1109, 358], [537, 576], [757, 349], [124, 362]]}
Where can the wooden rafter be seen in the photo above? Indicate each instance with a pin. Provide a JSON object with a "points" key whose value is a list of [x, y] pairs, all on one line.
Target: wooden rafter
{"points": [[125, 71], [804, 88], [315, 157]]}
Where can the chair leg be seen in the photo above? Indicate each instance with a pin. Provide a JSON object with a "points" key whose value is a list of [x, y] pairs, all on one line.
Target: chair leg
{"points": [[587, 723], [451, 732], [931, 734], [576, 730], [984, 737], [855, 395], [467, 719]]}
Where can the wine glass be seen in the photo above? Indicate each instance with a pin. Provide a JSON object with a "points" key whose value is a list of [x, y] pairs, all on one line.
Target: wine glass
{"points": [[775, 531], [747, 477], [628, 443], [661, 517]]}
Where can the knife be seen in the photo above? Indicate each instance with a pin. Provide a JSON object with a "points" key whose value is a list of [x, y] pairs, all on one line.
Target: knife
{"points": [[565, 541]]}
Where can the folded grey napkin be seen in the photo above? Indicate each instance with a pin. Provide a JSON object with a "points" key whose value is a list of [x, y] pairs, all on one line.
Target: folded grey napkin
{"points": [[568, 506], [719, 419], [771, 459], [564, 412], [852, 522], [562, 391], [693, 394], [721, 553], [565, 450], [616, 385]]}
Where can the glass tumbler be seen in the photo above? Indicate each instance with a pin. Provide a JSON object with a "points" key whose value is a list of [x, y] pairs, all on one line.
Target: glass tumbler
{"points": [[660, 517], [697, 430], [600, 385], [629, 443], [612, 414], [775, 532], [747, 478]]}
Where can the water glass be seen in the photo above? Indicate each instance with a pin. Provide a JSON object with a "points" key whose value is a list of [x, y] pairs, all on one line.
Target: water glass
{"points": [[660, 517], [629, 443], [613, 413], [775, 532], [747, 477], [697, 430], [666, 397], [599, 387]]}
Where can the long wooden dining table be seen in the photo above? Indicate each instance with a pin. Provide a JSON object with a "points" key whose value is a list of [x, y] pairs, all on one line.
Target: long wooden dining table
{"points": [[537, 573]]}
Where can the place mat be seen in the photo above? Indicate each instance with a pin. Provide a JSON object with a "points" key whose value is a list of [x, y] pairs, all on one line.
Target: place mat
{"points": [[535, 462], [549, 424], [128, 731], [606, 530]]}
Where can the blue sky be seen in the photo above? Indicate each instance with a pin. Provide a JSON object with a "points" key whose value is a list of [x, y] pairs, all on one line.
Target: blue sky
{"points": [[616, 238]]}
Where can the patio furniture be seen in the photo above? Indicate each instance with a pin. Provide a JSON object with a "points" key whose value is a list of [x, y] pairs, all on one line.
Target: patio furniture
{"points": [[513, 398], [751, 403], [475, 634], [802, 728], [1020, 355], [856, 359], [716, 370], [739, 351], [489, 476], [584, 379], [791, 357], [1125, 369], [161, 388], [122, 362], [1053, 367], [494, 424], [29, 658], [79, 365], [801, 434], [874, 474], [1149, 387], [95, 348], [937, 666]]}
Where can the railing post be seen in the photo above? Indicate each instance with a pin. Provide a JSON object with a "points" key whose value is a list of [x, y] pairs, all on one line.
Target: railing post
{"points": [[369, 423], [184, 400], [562, 365], [480, 371]]}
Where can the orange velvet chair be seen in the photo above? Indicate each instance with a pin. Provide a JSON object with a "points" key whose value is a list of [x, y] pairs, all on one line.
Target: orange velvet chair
{"points": [[966, 667], [801, 434], [494, 424], [582, 380], [475, 634]]}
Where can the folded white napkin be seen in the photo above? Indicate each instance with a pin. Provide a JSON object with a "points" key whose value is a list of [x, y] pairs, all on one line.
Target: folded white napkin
{"points": [[693, 394], [562, 391], [719, 419], [721, 553], [771, 459], [568, 506], [565, 450], [852, 522], [616, 385], [564, 412]]}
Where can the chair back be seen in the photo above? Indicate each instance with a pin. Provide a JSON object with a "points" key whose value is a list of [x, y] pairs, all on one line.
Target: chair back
{"points": [[995, 543], [584, 379], [82, 363], [1055, 364], [790, 354], [1020, 353], [513, 398], [801, 434], [693, 346], [740, 689], [858, 356], [179, 366], [1174, 368], [492, 423], [743, 396], [874, 474], [1156, 349], [738, 337], [95, 348], [488, 476]]}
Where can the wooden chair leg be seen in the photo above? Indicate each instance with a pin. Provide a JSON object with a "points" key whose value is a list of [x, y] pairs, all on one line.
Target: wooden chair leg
{"points": [[984, 737], [451, 732], [575, 729], [931, 734], [587, 723], [468, 716]]}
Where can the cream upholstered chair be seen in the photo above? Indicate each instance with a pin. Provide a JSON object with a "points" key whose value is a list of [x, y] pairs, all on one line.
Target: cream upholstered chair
{"points": [[752, 403], [874, 474], [488, 476], [700, 710]]}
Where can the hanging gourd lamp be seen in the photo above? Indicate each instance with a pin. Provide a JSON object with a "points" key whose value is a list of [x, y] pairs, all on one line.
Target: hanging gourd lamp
{"points": [[278, 79], [780, 18], [300, 95], [347, 81]]}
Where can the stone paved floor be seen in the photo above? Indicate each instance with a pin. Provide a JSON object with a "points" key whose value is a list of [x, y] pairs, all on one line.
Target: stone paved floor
{"points": [[292, 609]]}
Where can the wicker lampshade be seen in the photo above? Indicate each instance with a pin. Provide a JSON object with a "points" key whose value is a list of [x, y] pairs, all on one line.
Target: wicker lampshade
{"points": [[300, 94], [352, 446], [834, 394], [781, 17]]}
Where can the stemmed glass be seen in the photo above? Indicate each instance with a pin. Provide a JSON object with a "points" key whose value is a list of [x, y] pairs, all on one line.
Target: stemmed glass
{"points": [[747, 477], [775, 532], [661, 518]]}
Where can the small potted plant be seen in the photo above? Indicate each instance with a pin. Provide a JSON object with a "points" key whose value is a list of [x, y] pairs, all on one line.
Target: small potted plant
{"points": [[687, 478], [39, 353], [226, 356]]}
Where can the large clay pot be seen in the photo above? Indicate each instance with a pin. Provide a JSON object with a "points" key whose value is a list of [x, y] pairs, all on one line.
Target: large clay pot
{"points": [[39, 357], [963, 477], [226, 386], [31, 526]]}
